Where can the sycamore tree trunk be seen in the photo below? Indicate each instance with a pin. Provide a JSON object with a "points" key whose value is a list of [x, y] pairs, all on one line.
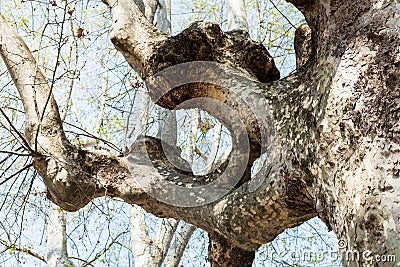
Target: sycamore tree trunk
{"points": [[331, 131], [57, 255]]}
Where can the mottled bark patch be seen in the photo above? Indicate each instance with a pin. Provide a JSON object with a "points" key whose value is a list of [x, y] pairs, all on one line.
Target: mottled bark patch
{"points": [[205, 41]]}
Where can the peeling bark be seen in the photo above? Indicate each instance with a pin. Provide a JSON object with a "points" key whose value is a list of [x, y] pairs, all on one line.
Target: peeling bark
{"points": [[333, 128]]}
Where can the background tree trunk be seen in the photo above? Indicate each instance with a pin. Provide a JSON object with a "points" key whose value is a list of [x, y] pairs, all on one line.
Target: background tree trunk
{"points": [[178, 246], [57, 255], [221, 252], [153, 252], [237, 15]]}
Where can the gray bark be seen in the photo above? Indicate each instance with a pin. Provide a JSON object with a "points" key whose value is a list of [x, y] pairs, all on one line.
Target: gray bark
{"points": [[163, 239], [142, 101], [57, 255], [178, 246], [164, 16], [167, 130], [212, 157], [333, 128], [142, 247], [146, 252], [190, 145], [152, 252], [237, 16]]}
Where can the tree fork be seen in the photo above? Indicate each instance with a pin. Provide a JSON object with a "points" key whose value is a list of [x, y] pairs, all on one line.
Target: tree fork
{"points": [[335, 126]]}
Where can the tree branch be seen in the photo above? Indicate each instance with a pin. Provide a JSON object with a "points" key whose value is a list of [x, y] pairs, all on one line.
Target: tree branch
{"points": [[163, 238], [132, 33], [146, 177], [142, 247], [22, 249], [178, 246]]}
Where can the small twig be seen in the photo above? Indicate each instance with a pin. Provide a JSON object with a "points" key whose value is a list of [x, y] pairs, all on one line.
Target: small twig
{"points": [[283, 15], [100, 253], [201, 154], [16, 173], [14, 153], [88, 134], [60, 44], [25, 143], [23, 249]]}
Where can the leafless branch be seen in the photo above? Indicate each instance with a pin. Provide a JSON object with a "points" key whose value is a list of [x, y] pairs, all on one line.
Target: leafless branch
{"points": [[22, 249]]}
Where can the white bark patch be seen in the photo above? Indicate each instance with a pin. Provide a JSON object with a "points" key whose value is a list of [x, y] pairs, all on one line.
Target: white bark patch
{"points": [[141, 246], [352, 64], [219, 207], [327, 5], [57, 255], [237, 17]]}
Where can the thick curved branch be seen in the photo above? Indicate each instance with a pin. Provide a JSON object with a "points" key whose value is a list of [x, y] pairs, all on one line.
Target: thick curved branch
{"points": [[175, 87], [200, 42], [35, 92], [74, 177], [335, 131], [132, 33]]}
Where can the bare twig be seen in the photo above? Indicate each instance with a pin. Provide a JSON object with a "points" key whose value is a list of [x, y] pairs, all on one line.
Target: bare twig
{"points": [[14, 153], [100, 253], [283, 15], [16, 173], [23, 249], [50, 94], [25, 143]]}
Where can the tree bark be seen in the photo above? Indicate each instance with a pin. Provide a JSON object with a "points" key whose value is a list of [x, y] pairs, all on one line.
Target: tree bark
{"points": [[333, 128], [142, 246], [57, 255], [178, 246], [164, 16], [222, 253], [148, 252], [237, 16], [163, 239]]}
